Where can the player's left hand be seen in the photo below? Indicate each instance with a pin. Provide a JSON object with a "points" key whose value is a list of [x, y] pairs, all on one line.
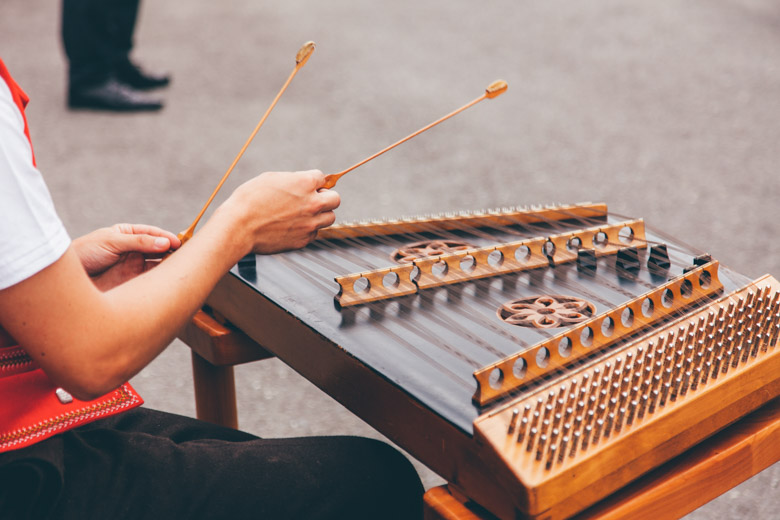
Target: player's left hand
{"points": [[113, 255]]}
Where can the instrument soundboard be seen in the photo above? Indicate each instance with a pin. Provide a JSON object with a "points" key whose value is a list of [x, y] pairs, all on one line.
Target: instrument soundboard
{"points": [[538, 359]]}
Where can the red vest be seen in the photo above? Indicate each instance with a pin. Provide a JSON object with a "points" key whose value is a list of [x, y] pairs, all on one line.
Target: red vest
{"points": [[20, 98], [32, 408]]}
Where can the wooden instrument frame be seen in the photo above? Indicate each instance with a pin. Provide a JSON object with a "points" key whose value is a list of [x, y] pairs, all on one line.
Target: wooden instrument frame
{"points": [[672, 490], [693, 416], [449, 453], [308, 336]]}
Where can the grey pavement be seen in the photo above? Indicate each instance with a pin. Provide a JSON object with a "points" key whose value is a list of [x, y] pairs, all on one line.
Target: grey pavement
{"points": [[664, 110]]}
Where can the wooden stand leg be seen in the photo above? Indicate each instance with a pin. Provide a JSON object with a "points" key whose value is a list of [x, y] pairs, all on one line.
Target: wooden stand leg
{"points": [[440, 504], [215, 392]]}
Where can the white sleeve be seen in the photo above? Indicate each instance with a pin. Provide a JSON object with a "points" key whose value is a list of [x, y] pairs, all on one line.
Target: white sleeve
{"points": [[32, 236]]}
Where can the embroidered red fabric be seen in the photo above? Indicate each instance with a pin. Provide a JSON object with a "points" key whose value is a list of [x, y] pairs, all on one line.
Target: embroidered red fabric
{"points": [[30, 410]]}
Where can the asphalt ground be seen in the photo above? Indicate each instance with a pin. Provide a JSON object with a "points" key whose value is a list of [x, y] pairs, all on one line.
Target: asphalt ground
{"points": [[664, 110]]}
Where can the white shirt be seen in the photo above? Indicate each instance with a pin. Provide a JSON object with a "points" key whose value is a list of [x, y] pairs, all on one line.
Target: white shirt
{"points": [[32, 236]]}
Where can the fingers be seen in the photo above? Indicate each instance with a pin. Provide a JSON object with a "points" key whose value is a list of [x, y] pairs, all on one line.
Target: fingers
{"points": [[317, 176], [120, 243], [309, 184], [325, 219], [282, 210], [143, 238], [328, 199], [144, 229]]}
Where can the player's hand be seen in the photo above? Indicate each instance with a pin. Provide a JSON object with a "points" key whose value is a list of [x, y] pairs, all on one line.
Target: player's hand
{"points": [[113, 255], [284, 210]]}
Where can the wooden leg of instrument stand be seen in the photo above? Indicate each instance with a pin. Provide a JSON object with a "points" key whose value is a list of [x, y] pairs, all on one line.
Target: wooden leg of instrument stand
{"points": [[440, 504], [216, 347], [215, 392]]}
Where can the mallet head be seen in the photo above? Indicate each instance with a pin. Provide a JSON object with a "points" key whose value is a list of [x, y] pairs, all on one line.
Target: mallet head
{"points": [[496, 88], [303, 55]]}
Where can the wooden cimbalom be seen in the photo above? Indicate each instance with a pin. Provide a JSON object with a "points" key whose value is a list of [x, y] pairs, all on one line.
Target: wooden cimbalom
{"points": [[538, 359]]}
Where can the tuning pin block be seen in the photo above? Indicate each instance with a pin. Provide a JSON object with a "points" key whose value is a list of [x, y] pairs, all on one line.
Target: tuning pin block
{"points": [[633, 388]]}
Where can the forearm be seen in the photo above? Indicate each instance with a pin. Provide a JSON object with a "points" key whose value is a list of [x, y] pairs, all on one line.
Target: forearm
{"points": [[88, 341], [164, 298], [147, 312]]}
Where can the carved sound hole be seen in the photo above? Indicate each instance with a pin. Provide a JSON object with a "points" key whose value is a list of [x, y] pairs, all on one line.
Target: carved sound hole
{"points": [[546, 312], [426, 248]]}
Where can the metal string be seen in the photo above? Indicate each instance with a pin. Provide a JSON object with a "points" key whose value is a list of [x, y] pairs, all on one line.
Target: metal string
{"points": [[466, 310]]}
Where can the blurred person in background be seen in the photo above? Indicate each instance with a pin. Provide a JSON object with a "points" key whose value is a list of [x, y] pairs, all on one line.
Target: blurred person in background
{"points": [[98, 38]]}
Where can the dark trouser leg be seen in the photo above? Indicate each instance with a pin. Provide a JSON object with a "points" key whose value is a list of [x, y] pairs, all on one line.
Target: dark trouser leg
{"points": [[84, 37], [123, 18], [146, 464], [97, 35], [31, 480]]}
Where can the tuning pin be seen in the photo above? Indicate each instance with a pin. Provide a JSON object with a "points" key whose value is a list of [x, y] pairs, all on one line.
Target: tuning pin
{"points": [[513, 421]]}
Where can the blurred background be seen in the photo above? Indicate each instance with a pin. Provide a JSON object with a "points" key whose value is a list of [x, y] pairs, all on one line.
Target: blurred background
{"points": [[669, 111]]}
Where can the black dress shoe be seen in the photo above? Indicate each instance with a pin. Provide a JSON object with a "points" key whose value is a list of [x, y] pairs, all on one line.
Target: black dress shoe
{"points": [[114, 96], [133, 75]]}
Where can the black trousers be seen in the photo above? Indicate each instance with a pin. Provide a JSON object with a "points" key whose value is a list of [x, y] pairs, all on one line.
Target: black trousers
{"points": [[97, 36], [147, 464]]}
